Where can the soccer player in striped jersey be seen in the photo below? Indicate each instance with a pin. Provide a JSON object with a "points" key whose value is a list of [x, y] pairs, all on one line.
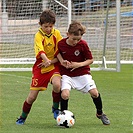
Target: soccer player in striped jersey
{"points": [[45, 69], [75, 57]]}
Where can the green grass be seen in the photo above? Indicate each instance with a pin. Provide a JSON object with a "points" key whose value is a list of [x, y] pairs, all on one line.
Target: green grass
{"points": [[115, 88]]}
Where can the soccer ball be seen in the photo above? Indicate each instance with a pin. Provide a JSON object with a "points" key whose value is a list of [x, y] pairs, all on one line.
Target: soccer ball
{"points": [[66, 119]]}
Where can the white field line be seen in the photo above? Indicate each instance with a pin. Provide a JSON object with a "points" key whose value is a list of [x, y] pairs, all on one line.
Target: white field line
{"points": [[17, 80]]}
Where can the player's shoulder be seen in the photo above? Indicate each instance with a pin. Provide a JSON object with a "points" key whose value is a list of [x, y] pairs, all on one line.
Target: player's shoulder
{"points": [[83, 42], [63, 40], [39, 33], [56, 31]]}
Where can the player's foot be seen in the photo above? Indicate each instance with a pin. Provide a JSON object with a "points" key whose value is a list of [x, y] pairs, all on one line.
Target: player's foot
{"points": [[20, 121], [55, 112], [104, 119]]}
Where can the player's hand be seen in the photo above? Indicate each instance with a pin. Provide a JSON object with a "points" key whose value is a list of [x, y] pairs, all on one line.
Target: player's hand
{"points": [[47, 63], [44, 64], [74, 65], [65, 63]]}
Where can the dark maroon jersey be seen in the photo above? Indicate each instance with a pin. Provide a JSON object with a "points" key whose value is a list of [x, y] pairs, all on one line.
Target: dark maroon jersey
{"points": [[78, 53]]}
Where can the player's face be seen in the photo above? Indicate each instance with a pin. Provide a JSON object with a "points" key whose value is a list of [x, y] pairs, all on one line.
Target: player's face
{"points": [[47, 28], [73, 40]]}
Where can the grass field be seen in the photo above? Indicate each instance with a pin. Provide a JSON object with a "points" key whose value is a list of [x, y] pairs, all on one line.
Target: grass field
{"points": [[115, 88]]}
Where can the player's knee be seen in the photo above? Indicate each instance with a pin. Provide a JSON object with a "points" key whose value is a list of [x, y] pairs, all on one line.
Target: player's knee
{"points": [[65, 95], [94, 93], [31, 99], [56, 82], [56, 88]]}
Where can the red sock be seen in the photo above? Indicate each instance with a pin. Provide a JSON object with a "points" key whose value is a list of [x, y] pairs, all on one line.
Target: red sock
{"points": [[26, 110], [26, 107], [56, 96], [56, 99]]}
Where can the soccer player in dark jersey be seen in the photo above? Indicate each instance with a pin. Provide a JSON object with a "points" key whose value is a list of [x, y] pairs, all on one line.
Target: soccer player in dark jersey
{"points": [[45, 69], [75, 57]]}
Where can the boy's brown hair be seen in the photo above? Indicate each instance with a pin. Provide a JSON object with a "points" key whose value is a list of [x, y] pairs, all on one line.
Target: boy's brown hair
{"points": [[47, 16], [76, 28]]}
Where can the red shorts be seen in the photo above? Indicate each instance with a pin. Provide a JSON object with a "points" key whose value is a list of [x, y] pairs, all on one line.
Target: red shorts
{"points": [[40, 81]]}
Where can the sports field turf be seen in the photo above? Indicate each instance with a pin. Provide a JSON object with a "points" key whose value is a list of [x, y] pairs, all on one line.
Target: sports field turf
{"points": [[115, 88]]}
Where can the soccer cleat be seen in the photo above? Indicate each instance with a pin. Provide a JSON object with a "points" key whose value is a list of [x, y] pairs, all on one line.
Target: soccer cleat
{"points": [[20, 121], [55, 112], [104, 119]]}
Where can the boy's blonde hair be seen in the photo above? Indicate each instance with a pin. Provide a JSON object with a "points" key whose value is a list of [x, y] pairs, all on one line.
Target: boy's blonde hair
{"points": [[76, 28]]}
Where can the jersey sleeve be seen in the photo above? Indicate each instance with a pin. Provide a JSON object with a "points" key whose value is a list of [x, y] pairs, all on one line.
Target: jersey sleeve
{"points": [[38, 47], [58, 37], [87, 51]]}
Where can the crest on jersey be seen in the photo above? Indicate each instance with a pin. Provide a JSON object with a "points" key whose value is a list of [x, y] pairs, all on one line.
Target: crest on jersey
{"points": [[77, 52]]}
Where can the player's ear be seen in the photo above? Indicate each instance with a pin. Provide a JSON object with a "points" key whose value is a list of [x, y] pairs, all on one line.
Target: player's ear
{"points": [[39, 23], [67, 34]]}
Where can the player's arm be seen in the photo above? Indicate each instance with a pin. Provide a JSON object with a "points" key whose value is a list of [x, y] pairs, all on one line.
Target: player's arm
{"points": [[75, 65], [54, 60], [63, 62], [46, 62], [40, 53], [81, 64]]}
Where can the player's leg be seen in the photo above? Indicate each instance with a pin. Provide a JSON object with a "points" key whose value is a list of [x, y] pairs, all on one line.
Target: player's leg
{"points": [[91, 88], [56, 94], [64, 99], [97, 100], [98, 104], [27, 106], [66, 84]]}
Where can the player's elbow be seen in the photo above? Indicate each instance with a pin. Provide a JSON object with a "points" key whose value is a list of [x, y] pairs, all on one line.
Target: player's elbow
{"points": [[91, 61]]}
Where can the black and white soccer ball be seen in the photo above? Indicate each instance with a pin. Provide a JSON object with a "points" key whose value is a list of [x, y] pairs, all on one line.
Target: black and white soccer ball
{"points": [[66, 119]]}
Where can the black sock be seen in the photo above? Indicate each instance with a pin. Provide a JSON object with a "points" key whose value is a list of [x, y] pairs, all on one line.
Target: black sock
{"points": [[64, 104], [98, 104]]}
